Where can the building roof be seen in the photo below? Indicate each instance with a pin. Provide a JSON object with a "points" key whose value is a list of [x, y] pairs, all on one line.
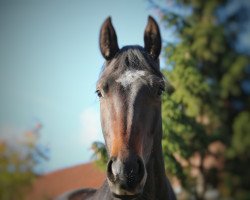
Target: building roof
{"points": [[53, 184]]}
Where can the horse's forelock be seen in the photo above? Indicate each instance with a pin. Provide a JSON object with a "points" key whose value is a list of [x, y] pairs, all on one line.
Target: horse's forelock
{"points": [[130, 58]]}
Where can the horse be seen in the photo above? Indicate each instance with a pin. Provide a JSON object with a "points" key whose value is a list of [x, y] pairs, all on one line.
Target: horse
{"points": [[130, 88]]}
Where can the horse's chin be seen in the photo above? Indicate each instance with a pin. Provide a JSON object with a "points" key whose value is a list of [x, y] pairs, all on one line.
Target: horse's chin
{"points": [[125, 194], [126, 197]]}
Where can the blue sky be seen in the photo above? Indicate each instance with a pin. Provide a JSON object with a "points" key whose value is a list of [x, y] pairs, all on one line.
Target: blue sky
{"points": [[49, 64]]}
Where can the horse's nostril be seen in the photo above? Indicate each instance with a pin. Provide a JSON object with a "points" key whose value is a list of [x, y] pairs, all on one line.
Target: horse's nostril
{"points": [[141, 169], [109, 167], [110, 174]]}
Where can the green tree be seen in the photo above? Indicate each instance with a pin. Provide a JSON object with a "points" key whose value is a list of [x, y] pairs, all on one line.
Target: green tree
{"points": [[100, 154], [18, 163], [210, 104]]}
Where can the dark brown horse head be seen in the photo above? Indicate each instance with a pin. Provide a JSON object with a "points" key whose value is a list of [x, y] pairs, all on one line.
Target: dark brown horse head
{"points": [[130, 88]]}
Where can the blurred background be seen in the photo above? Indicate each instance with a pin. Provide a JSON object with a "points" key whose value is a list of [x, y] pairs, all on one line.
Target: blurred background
{"points": [[49, 119]]}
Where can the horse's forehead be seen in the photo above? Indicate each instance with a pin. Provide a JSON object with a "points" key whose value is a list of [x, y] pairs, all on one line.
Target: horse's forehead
{"points": [[129, 77]]}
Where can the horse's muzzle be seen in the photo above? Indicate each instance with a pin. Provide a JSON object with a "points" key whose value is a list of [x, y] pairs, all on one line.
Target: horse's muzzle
{"points": [[126, 177]]}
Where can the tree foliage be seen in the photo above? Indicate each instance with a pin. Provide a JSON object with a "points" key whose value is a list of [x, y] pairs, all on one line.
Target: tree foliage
{"points": [[18, 163], [100, 154], [210, 103]]}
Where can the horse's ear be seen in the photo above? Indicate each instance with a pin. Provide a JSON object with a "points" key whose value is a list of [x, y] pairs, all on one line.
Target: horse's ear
{"points": [[152, 38], [108, 40]]}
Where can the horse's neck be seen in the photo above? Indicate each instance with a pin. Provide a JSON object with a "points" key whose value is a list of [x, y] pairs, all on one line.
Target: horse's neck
{"points": [[157, 185]]}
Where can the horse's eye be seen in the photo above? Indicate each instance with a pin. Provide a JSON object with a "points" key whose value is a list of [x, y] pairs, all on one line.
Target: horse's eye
{"points": [[99, 94], [160, 91]]}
